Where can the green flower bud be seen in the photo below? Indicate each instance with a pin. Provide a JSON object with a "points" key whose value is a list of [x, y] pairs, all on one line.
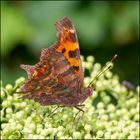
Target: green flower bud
{"points": [[123, 111], [104, 117], [100, 134], [12, 137], [133, 125], [100, 105], [88, 65], [99, 85], [114, 136], [10, 98], [112, 116], [69, 138], [132, 111], [106, 99], [6, 104], [77, 135], [118, 112], [82, 57], [126, 117], [9, 110], [90, 59], [3, 125], [20, 81], [27, 110], [97, 66], [9, 88], [95, 94], [23, 104], [88, 128], [27, 130], [59, 134], [122, 124], [40, 126], [2, 94], [32, 126], [122, 135], [99, 125], [16, 98], [115, 82], [87, 81], [107, 135], [20, 115], [19, 127], [108, 74], [119, 129], [48, 131], [38, 130], [48, 125], [131, 137], [125, 131], [107, 124], [133, 101], [60, 128], [136, 117], [111, 108], [55, 130], [88, 136], [17, 134], [128, 122], [43, 132], [29, 136], [114, 123]]}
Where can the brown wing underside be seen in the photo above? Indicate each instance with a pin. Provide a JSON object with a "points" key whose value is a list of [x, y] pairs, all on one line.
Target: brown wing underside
{"points": [[54, 78]]}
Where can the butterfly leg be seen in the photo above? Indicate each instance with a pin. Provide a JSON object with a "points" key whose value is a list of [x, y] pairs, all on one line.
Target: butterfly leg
{"points": [[77, 107], [81, 105], [53, 111], [80, 110]]}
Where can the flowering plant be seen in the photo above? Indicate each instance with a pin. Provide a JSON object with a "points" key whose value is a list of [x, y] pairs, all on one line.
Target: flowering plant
{"points": [[112, 112]]}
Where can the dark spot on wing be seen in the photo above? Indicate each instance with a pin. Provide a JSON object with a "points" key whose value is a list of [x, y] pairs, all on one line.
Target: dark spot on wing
{"points": [[76, 68], [73, 54], [63, 50]]}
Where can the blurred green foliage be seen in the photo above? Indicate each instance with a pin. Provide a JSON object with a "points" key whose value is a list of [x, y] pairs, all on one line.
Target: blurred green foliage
{"points": [[104, 28]]}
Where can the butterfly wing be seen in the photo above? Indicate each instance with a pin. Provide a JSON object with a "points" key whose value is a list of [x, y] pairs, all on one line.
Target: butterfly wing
{"points": [[69, 46], [55, 79]]}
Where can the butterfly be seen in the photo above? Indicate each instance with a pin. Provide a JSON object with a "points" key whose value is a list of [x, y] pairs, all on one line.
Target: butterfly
{"points": [[57, 79]]}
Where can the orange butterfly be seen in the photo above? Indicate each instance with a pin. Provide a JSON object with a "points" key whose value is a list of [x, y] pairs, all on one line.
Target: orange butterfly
{"points": [[58, 77]]}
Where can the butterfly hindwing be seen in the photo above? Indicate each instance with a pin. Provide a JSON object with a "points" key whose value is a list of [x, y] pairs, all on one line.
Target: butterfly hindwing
{"points": [[49, 87]]}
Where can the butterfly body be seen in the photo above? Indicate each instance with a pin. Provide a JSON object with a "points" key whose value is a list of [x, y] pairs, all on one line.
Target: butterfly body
{"points": [[58, 77]]}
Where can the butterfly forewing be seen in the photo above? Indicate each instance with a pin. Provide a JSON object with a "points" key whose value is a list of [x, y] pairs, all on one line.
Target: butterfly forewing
{"points": [[69, 46]]}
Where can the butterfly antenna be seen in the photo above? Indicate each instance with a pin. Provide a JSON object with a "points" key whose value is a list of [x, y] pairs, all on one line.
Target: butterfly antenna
{"points": [[103, 70]]}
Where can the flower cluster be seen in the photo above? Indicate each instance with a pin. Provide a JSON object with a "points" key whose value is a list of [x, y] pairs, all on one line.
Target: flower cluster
{"points": [[112, 112]]}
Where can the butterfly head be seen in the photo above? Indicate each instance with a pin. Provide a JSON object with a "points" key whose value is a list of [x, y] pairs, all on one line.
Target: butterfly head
{"points": [[88, 91]]}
